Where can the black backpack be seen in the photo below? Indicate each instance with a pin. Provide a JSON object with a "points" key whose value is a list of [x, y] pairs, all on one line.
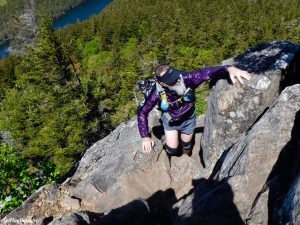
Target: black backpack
{"points": [[146, 87]]}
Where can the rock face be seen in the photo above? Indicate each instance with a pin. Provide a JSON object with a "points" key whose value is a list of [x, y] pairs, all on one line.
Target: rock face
{"points": [[246, 188], [108, 176], [135, 213], [112, 173], [251, 150], [254, 161], [288, 210], [114, 166], [233, 109]]}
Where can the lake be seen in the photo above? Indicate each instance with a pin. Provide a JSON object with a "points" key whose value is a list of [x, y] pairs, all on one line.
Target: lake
{"points": [[4, 49], [79, 13]]}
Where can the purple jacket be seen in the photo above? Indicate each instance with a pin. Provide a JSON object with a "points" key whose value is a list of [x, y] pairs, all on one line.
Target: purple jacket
{"points": [[191, 80]]}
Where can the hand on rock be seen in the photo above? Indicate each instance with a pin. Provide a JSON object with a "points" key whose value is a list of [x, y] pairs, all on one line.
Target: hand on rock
{"points": [[148, 144], [238, 74]]}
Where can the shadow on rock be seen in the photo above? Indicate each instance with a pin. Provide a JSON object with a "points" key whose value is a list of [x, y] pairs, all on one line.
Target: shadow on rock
{"points": [[283, 174], [156, 210], [265, 57], [211, 203], [158, 131], [291, 73]]}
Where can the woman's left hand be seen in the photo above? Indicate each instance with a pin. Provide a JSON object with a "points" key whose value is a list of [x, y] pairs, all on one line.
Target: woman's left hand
{"points": [[238, 74]]}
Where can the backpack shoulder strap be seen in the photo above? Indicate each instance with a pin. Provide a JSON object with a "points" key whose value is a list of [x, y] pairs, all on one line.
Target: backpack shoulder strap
{"points": [[159, 88]]}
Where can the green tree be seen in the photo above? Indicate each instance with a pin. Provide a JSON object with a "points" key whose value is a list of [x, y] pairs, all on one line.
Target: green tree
{"points": [[45, 112], [7, 74], [18, 179]]}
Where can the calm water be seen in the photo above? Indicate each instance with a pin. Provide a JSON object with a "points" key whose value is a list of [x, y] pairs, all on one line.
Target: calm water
{"points": [[4, 49], [82, 12], [79, 13]]}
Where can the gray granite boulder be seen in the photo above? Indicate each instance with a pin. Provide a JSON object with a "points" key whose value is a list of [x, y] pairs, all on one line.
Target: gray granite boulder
{"points": [[112, 173], [112, 169], [245, 185], [133, 213], [232, 109]]}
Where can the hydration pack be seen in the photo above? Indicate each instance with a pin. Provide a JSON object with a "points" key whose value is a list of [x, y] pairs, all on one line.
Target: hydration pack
{"points": [[150, 84]]}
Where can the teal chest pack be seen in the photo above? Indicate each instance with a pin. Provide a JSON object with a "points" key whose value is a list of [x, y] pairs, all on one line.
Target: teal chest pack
{"points": [[166, 105]]}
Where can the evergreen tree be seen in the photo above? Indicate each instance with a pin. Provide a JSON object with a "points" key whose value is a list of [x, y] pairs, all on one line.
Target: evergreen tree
{"points": [[45, 111], [7, 75]]}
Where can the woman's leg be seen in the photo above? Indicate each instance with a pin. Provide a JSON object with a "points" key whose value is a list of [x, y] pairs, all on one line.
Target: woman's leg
{"points": [[171, 141], [186, 137], [187, 143]]}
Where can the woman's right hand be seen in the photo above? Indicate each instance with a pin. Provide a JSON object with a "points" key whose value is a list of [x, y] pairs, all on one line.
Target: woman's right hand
{"points": [[238, 74], [148, 144]]}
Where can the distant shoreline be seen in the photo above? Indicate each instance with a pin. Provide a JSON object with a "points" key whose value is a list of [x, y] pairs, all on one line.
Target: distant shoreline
{"points": [[4, 40], [81, 11]]}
